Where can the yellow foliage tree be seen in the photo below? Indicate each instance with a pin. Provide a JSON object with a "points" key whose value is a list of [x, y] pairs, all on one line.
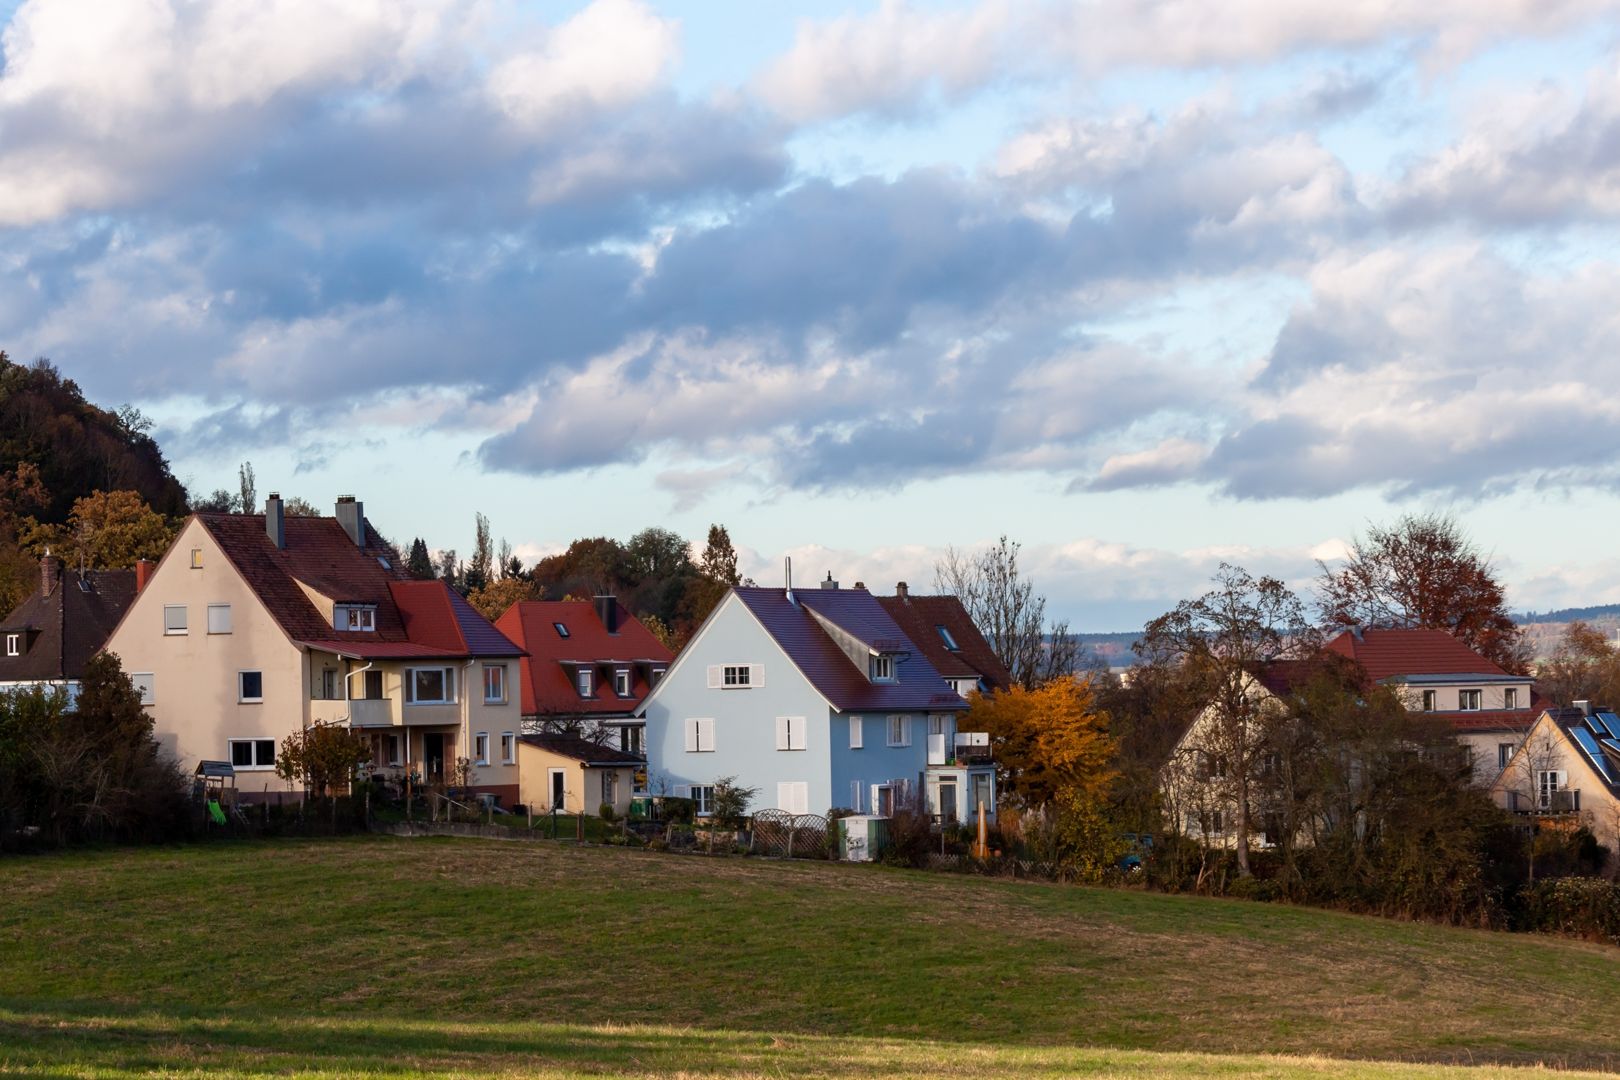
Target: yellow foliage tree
{"points": [[107, 530], [1052, 743], [493, 599]]}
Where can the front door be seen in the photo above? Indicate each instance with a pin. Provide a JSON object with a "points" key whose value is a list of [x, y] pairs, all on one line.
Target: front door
{"points": [[433, 757], [558, 790], [947, 800]]}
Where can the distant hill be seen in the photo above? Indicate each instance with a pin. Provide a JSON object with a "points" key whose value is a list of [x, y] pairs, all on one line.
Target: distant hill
{"points": [[78, 447], [1569, 614]]}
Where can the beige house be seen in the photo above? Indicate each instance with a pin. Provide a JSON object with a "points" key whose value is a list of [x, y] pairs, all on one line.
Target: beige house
{"points": [[1567, 773], [575, 775], [253, 627]]}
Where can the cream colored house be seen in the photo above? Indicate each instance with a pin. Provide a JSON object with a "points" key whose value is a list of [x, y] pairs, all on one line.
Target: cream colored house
{"points": [[1567, 772], [254, 626], [574, 775]]}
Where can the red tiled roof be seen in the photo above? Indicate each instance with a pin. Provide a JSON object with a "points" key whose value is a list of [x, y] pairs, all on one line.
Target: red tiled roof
{"points": [[1493, 719], [549, 685], [414, 618], [1388, 654], [920, 617]]}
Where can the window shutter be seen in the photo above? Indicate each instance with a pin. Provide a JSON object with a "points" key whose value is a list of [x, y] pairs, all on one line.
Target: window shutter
{"points": [[784, 737], [784, 796], [905, 731], [797, 730], [1562, 779], [705, 734], [756, 674], [855, 793], [856, 737], [691, 736], [714, 677]]}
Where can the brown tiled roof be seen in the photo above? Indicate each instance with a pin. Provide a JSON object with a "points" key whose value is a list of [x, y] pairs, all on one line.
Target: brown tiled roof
{"points": [[63, 630], [415, 619], [572, 746], [549, 684], [1389, 654], [920, 617]]}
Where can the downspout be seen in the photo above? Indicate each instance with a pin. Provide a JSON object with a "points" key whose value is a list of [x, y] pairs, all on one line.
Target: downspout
{"points": [[466, 711]]}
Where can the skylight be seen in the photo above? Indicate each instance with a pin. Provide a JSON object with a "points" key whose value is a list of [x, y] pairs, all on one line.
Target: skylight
{"points": [[562, 631], [945, 636]]}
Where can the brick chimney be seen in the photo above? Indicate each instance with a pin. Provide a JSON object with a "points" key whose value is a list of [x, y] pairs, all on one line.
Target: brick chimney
{"points": [[143, 573], [275, 520], [50, 573], [901, 590]]}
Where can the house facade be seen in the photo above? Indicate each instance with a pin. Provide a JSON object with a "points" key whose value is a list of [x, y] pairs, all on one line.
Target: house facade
{"points": [[589, 664], [815, 698], [1566, 772], [1489, 708], [49, 637], [256, 626], [575, 776]]}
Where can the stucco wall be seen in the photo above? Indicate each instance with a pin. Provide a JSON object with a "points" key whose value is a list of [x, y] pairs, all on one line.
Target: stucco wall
{"points": [[582, 791]]}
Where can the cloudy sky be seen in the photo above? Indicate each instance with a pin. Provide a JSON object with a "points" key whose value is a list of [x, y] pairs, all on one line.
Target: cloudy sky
{"points": [[1146, 285]]}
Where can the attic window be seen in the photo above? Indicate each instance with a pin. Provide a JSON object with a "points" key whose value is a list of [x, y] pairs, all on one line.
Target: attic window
{"points": [[562, 631], [196, 558], [13, 644], [945, 636], [356, 617], [881, 668], [382, 561]]}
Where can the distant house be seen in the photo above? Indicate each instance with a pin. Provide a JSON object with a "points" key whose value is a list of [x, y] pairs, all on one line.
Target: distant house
{"points": [[817, 699], [589, 664], [1489, 708], [574, 775], [62, 624], [1566, 772], [943, 631], [254, 626]]}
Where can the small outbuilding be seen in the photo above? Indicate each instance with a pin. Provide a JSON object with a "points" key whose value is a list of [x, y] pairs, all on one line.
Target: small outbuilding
{"points": [[575, 775]]}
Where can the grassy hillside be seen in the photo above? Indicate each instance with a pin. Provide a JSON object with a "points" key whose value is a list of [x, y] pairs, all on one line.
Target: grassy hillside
{"points": [[438, 957]]}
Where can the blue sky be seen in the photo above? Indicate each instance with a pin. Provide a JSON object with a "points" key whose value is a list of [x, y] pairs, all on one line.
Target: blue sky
{"points": [[1143, 285]]}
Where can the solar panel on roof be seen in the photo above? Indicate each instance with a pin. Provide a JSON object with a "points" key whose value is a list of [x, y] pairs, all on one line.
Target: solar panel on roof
{"points": [[1594, 725], [1612, 722], [1611, 744], [1590, 745]]}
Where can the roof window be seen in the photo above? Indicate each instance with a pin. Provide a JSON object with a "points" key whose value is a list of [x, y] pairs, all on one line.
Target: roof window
{"points": [[355, 617], [945, 636], [562, 631]]}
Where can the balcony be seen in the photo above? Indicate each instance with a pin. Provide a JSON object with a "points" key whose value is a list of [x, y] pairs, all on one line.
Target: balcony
{"points": [[1550, 803], [963, 748], [373, 712]]}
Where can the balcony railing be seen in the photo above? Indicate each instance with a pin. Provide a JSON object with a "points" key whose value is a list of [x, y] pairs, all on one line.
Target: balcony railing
{"points": [[373, 712], [1559, 801], [962, 748]]}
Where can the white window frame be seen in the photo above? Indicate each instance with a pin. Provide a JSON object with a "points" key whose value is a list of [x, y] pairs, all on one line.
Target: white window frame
{"points": [[145, 684], [449, 692], [391, 740], [857, 734], [1504, 753], [185, 619], [791, 733], [897, 732], [1549, 781], [219, 615], [1510, 697], [699, 734], [703, 796], [610, 786], [481, 748], [1465, 696], [633, 739], [737, 676], [585, 682], [241, 689], [1430, 700], [657, 676], [880, 668], [257, 766], [508, 747], [621, 675], [499, 671], [196, 558], [354, 618], [13, 644]]}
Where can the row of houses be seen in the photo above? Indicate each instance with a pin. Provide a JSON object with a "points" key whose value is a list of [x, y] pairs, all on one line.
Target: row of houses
{"points": [[253, 627]]}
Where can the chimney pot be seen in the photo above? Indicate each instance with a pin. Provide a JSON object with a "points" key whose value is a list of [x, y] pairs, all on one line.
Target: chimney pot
{"points": [[829, 583], [275, 520], [50, 572], [143, 572], [901, 590], [861, 585]]}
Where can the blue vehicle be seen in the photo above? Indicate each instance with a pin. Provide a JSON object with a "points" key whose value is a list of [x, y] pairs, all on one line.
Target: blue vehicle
{"points": [[1141, 848]]}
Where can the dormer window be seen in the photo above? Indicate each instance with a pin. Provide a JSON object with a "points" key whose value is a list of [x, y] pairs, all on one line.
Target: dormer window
{"points": [[621, 682], [354, 617], [881, 668], [13, 644], [945, 636], [582, 679]]}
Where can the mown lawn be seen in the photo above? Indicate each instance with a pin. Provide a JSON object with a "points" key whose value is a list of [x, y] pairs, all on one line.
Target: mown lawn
{"points": [[469, 957]]}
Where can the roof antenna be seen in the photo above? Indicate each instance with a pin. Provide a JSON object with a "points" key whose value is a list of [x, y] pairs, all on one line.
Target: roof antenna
{"points": [[787, 567]]}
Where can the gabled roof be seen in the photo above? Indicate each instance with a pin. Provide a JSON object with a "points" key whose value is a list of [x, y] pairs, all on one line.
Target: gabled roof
{"points": [[549, 683], [65, 629], [828, 668], [1395, 654], [414, 619], [921, 617], [1596, 737], [583, 750]]}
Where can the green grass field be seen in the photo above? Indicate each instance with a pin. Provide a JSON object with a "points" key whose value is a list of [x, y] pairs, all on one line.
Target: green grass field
{"points": [[395, 957]]}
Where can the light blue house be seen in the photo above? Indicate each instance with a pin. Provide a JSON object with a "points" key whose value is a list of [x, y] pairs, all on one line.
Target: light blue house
{"points": [[817, 699]]}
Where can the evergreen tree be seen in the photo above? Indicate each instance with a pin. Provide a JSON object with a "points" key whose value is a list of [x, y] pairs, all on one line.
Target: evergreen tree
{"points": [[421, 563]]}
